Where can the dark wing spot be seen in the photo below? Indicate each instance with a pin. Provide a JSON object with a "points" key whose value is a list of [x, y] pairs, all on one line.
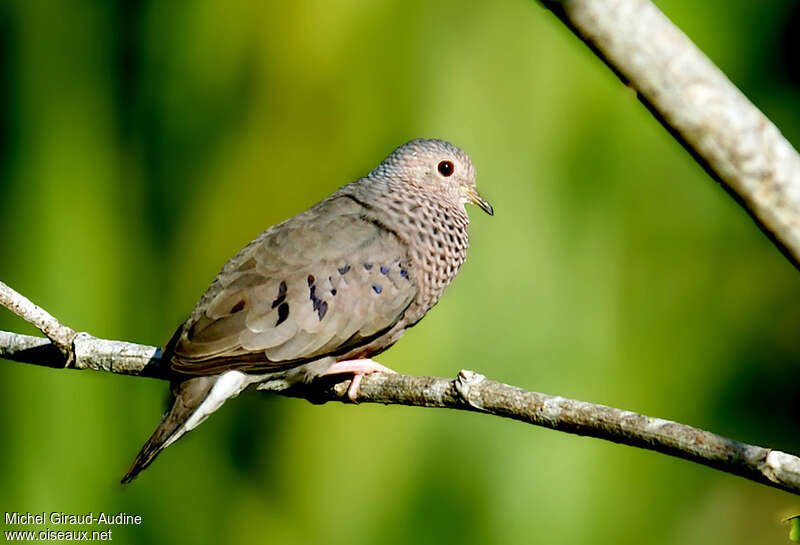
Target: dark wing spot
{"points": [[384, 270], [323, 308], [283, 313], [403, 273], [237, 307], [310, 279], [281, 295], [343, 270], [333, 291], [368, 266], [377, 288], [313, 296]]}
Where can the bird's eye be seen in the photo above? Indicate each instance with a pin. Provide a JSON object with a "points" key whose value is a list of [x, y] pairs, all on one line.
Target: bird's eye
{"points": [[446, 168]]}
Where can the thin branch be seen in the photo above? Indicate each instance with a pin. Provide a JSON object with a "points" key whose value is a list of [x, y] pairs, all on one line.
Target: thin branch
{"points": [[699, 106], [469, 392], [20, 305]]}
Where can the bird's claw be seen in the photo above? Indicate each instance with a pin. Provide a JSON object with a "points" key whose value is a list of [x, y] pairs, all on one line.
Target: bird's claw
{"points": [[358, 368]]}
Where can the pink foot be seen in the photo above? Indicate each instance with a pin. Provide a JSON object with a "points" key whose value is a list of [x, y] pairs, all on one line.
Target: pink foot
{"points": [[358, 368]]}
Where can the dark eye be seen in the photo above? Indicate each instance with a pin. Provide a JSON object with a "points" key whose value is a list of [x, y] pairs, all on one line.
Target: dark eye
{"points": [[446, 168]]}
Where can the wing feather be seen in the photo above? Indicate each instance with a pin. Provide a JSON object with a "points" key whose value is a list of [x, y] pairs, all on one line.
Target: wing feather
{"points": [[326, 281]]}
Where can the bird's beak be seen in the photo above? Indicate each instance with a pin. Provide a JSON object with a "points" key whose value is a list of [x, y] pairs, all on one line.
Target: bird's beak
{"points": [[472, 195]]}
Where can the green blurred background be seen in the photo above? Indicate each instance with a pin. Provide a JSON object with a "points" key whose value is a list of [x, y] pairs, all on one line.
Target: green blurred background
{"points": [[143, 143]]}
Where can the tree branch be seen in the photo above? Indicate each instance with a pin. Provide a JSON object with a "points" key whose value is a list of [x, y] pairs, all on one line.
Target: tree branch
{"points": [[469, 391], [736, 144], [61, 335]]}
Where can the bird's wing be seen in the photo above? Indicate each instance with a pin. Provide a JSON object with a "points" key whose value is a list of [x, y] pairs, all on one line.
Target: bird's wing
{"points": [[319, 284]]}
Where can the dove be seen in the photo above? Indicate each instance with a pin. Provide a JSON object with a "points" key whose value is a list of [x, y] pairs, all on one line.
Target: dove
{"points": [[323, 292]]}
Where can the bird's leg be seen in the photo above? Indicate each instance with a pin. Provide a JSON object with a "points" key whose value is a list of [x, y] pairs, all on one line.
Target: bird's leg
{"points": [[358, 368]]}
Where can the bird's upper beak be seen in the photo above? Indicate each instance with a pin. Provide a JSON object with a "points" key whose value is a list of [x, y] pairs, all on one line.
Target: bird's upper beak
{"points": [[474, 197]]}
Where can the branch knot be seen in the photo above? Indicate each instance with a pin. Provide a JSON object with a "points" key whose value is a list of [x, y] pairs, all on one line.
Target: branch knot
{"points": [[74, 353], [467, 385]]}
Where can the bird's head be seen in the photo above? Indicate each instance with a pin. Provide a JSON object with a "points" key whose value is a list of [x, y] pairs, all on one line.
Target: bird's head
{"points": [[434, 166]]}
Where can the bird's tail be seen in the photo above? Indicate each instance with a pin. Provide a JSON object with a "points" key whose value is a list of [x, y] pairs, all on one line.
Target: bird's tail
{"points": [[188, 397]]}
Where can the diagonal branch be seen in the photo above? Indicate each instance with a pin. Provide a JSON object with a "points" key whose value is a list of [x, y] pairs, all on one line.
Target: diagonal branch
{"points": [[61, 335], [469, 391], [736, 143]]}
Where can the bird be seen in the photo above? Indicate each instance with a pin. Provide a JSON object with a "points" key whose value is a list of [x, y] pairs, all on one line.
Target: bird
{"points": [[324, 291]]}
